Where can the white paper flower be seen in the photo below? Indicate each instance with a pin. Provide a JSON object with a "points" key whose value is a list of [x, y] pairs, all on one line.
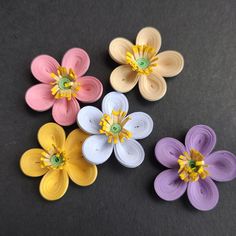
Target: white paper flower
{"points": [[112, 129]]}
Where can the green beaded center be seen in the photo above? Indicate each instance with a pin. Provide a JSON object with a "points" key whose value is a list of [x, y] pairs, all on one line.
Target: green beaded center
{"points": [[62, 83], [115, 128], [56, 160], [143, 63], [192, 164]]}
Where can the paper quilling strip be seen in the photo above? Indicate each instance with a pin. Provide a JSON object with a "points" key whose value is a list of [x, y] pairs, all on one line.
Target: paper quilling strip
{"points": [[112, 129], [141, 64], [193, 167], [57, 160], [62, 85]]}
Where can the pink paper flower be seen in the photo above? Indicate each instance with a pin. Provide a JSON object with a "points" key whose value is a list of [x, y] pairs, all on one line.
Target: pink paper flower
{"points": [[62, 85]]}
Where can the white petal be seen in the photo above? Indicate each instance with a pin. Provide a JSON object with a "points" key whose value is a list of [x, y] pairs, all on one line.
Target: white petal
{"points": [[116, 101], [130, 153], [140, 125], [88, 119], [96, 149]]}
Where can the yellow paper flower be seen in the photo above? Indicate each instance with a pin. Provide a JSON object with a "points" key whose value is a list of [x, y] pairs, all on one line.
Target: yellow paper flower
{"points": [[57, 160], [141, 63]]}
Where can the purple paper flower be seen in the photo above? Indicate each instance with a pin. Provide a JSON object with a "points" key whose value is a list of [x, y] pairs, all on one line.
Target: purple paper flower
{"points": [[193, 167]]}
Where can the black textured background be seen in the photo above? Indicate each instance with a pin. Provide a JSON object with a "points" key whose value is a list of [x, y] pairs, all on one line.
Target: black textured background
{"points": [[122, 201]]}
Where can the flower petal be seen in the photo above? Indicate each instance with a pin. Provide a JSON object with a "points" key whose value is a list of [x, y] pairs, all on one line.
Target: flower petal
{"points": [[114, 101], [203, 194], [80, 171], [201, 138], [130, 153], [123, 79], [30, 163], [118, 48], [76, 59], [88, 119], [167, 152], [96, 149], [170, 63], [152, 87], [51, 134], [54, 184], [64, 112], [90, 89], [140, 125], [42, 66], [149, 36], [169, 186], [39, 97], [221, 165]]}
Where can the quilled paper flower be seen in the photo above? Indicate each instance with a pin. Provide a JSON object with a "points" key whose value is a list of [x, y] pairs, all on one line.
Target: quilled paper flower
{"points": [[113, 129], [57, 160], [193, 167], [62, 85], [141, 63]]}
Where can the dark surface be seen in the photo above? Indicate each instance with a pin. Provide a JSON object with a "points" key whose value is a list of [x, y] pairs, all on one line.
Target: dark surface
{"points": [[122, 201]]}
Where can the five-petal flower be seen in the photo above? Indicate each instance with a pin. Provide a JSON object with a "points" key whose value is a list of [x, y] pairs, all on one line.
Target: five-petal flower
{"points": [[62, 85], [112, 129], [56, 160], [142, 64], [193, 167]]}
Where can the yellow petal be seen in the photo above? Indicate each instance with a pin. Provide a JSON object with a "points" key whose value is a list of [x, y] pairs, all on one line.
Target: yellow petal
{"points": [[118, 48], [80, 171], [123, 79], [54, 184], [149, 36], [30, 163], [51, 134], [170, 63], [152, 87]]}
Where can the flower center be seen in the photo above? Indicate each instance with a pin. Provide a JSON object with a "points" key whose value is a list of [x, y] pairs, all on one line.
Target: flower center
{"points": [[113, 126], [142, 59], [65, 84], [53, 159], [192, 166]]}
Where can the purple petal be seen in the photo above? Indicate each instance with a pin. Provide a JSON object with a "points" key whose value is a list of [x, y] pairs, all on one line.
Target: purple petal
{"points": [[167, 152], [169, 186], [203, 194], [221, 165], [202, 138]]}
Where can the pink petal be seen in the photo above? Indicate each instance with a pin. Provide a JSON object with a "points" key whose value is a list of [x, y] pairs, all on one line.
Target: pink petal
{"points": [[221, 165], [64, 112], [42, 66], [169, 186], [168, 150], [90, 89], [203, 194], [76, 59], [39, 97]]}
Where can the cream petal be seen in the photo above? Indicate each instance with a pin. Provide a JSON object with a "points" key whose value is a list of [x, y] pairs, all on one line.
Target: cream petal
{"points": [[114, 101], [170, 63], [88, 119], [152, 87], [140, 125], [123, 79], [149, 36], [130, 153], [96, 149], [118, 48]]}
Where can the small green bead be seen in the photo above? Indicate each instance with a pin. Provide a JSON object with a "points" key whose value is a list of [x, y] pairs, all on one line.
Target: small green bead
{"points": [[143, 63], [56, 160], [192, 163], [62, 83], [115, 128]]}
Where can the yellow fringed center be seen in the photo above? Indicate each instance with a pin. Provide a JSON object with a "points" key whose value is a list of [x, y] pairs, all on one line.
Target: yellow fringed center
{"points": [[142, 59], [192, 166], [53, 159], [113, 126], [65, 85]]}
